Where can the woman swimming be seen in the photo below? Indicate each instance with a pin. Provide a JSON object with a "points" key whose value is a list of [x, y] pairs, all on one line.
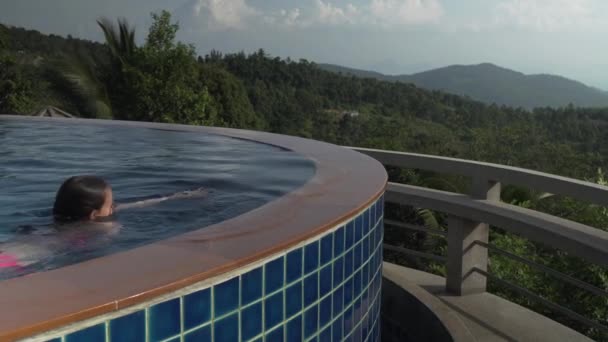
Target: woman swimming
{"points": [[84, 206], [90, 198]]}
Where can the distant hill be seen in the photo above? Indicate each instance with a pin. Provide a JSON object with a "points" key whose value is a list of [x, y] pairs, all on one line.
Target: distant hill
{"points": [[493, 84]]}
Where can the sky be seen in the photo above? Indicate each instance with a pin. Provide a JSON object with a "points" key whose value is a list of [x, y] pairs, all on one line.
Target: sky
{"points": [[563, 37]]}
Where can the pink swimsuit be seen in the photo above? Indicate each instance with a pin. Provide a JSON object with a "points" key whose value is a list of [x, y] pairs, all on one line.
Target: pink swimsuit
{"points": [[7, 260]]}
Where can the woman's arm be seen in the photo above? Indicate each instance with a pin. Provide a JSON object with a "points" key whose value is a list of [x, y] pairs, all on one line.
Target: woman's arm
{"points": [[200, 192]]}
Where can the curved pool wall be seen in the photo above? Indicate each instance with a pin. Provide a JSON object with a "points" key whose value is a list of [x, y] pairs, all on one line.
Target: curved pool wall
{"points": [[304, 267]]}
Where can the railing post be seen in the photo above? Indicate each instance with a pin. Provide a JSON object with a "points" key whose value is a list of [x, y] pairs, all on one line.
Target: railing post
{"points": [[463, 254]]}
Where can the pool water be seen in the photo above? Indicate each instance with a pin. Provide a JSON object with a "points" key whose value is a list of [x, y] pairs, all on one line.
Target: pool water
{"points": [[139, 163]]}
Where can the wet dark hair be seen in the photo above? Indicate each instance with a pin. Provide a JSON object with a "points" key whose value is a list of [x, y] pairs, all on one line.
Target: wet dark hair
{"points": [[77, 197]]}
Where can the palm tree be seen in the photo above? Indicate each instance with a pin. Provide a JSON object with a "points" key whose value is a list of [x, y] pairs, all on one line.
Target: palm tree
{"points": [[120, 40], [76, 76]]}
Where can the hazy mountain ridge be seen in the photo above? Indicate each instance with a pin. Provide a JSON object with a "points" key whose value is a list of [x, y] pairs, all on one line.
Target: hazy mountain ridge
{"points": [[494, 84]]}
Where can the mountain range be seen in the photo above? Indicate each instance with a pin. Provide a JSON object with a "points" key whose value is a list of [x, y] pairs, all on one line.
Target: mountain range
{"points": [[490, 83]]}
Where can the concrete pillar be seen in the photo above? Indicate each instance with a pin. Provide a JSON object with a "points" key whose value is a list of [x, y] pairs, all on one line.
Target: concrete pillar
{"points": [[463, 254]]}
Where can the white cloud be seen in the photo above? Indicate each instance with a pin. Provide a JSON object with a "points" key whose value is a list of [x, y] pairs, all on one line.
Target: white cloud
{"points": [[221, 14], [283, 17], [328, 13], [547, 15], [216, 15], [405, 12]]}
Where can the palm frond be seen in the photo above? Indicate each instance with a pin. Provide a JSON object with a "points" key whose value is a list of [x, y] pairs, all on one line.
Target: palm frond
{"points": [[429, 218], [120, 40], [76, 75], [110, 34]]}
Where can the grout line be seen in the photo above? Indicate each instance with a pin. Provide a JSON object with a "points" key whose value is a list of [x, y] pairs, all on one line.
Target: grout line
{"points": [[212, 319], [264, 301], [107, 328], [147, 317], [181, 317], [186, 332]]}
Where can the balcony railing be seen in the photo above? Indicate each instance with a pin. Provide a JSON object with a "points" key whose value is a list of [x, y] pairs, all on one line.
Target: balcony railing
{"points": [[470, 217]]}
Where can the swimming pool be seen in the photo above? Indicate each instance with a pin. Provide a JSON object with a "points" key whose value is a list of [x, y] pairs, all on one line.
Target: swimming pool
{"points": [[139, 163], [305, 266]]}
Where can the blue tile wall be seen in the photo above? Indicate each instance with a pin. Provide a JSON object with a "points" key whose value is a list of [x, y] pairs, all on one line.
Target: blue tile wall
{"points": [[294, 265], [165, 320], [326, 290], [96, 333], [197, 308], [129, 328], [201, 335], [251, 286]]}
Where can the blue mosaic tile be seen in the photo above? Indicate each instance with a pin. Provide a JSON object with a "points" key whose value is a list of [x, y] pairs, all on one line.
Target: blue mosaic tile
{"points": [[311, 289], [338, 242], [226, 297], [227, 329], [365, 274], [164, 320], [379, 231], [275, 335], [273, 310], [311, 257], [365, 249], [325, 311], [357, 334], [357, 256], [336, 329], [311, 321], [131, 327], [372, 242], [251, 321], [348, 320], [96, 333], [365, 301], [338, 298], [348, 264], [294, 265], [325, 281], [376, 332], [373, 214], [294, 329], [274, 275], [58, 339], [251, 286], [357, 284], [199, 335], [261, 339], [348, 292], [358, 229], [326, 249], [357, 310], [365, 327], [338, 271], [197, 308], [366, 222], [349, 236], [293, 299], [325, 335]]}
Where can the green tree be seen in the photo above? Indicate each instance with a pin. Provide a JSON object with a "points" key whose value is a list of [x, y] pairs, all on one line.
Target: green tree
{"points": [[15, 90], [229, 97], [162, 80]]}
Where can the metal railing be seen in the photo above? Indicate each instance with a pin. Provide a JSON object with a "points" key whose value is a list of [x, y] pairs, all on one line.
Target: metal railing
{"points": [[470, 217]]}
